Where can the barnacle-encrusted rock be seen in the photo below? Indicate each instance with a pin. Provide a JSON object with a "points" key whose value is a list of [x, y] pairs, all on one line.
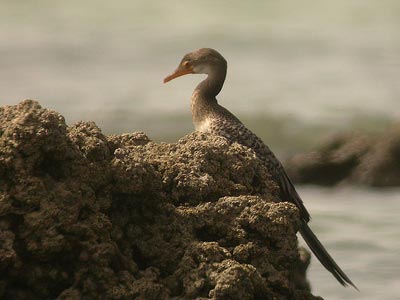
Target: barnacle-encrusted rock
{"points": [[86, 216]]}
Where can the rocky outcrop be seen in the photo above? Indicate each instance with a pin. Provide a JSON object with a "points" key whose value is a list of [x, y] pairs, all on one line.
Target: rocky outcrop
{"points": [[362, 159], [86, 216]]}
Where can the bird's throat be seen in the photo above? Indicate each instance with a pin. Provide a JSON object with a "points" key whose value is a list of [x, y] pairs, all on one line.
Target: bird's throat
{"points": [[203, 101]]}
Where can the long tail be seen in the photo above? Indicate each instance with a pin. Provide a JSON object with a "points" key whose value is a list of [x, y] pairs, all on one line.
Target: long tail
{"points": [[323, 256]]}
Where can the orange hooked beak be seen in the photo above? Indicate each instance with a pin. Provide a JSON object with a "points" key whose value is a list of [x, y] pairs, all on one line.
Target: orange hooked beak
{"points": [[178, 72]]}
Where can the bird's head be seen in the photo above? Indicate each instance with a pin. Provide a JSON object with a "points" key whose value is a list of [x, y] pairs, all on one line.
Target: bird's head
{"points": [[201, 61]]}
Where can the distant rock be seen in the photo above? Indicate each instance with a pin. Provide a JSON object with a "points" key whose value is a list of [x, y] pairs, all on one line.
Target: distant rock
{"points": [[371, 160], [86, 216]]}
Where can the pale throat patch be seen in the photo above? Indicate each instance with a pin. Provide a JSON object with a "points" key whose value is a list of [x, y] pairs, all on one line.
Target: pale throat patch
{"points": [[202, 69], [203, 126]]}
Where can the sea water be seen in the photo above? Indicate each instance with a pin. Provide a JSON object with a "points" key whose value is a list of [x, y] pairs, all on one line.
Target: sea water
{"points": [[361, 230], [298, 71]]}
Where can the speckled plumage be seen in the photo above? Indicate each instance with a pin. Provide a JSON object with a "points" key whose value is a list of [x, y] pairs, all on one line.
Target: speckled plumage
{"points": [[209, 116], [222, 122]]}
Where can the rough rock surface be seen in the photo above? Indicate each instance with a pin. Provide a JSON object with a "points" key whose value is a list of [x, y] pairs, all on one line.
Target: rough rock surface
{"points": [[351, 158], [85, 216]]}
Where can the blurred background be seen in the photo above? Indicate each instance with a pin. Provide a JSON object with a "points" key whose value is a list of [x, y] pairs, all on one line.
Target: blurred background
{"points": [[298, 71]]}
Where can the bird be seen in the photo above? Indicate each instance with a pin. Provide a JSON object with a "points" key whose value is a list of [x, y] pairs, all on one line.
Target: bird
{"points": [[210, 117]]}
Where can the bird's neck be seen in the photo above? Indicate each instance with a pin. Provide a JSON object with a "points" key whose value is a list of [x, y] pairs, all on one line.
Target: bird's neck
{"points": [[212, 85], [204, 100]]}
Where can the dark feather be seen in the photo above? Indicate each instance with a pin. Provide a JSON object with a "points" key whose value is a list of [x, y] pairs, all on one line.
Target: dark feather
{"points": [[227, 125]]}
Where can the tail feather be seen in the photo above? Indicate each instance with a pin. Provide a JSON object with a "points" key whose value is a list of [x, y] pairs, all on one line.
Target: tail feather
{"points": [[323, 256]]}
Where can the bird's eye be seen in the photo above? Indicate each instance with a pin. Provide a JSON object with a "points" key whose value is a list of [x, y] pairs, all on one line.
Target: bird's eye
{"points": [[186, 64]]}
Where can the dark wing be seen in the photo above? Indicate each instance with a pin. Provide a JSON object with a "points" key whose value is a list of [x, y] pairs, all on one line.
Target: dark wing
{"points": [[231, 128], [289, 192]]}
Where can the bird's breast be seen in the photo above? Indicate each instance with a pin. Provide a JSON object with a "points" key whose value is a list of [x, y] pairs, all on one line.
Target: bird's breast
{"points": [[201, 109], [203, 126]]}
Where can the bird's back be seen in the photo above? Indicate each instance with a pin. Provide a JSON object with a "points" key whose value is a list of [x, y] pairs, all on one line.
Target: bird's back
{"points": [[223, 123]]}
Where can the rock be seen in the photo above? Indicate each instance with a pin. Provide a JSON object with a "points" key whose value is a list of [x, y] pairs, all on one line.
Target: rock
{"points": [[353, 158], [86, 216], [380, 166]]}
